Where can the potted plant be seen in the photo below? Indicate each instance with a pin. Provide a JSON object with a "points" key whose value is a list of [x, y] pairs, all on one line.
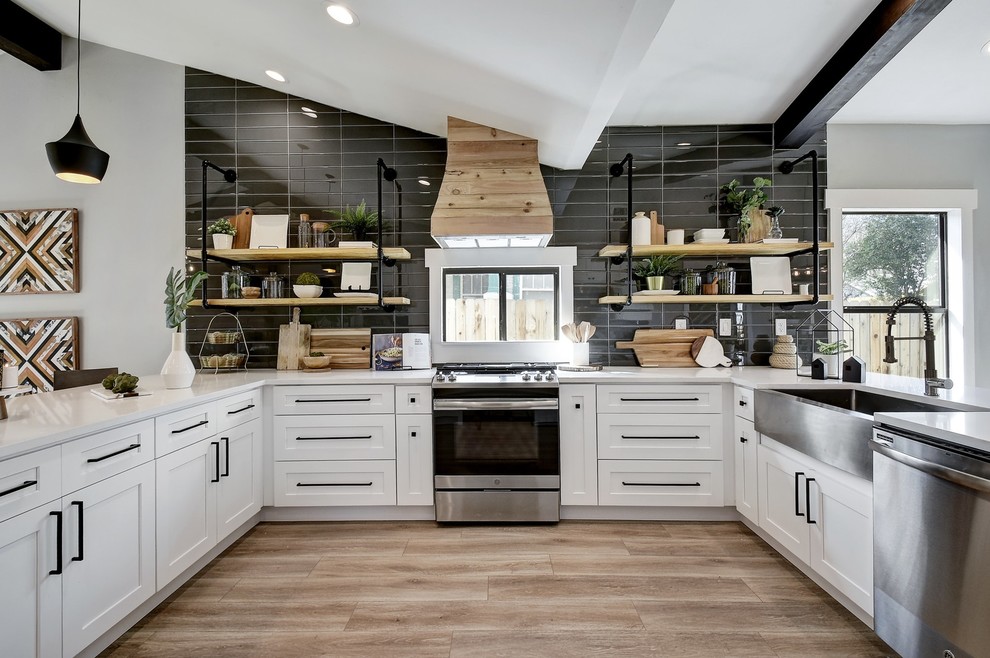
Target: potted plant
{"points": [[748, 205], [307, 285], [357, 221], [829, 353], [178, 371], [655, 268], [223, 233]]}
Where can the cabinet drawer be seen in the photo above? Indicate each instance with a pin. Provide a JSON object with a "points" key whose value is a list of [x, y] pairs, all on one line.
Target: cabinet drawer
{"points": [[660, 398], [334, 399], [743, 403], [301, 438], [660, 436], [335, 483], [660, 483], [184, 427], [413, 400], [99, 456], [238, 409], [29, 481]]}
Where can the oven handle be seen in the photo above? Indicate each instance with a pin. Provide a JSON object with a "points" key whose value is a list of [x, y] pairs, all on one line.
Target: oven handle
{"points": [[497, 403]]}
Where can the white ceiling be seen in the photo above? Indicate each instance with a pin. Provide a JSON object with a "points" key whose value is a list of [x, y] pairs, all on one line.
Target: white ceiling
{"points": [[556, 70]]}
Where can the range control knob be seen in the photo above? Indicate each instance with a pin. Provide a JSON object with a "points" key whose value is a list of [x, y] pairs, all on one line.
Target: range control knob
{"points": [[538, 377], [451, 377], [526, 377], [549, 375], [441, 377]]}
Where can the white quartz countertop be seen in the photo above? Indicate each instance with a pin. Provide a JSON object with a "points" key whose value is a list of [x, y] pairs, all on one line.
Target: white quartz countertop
{"points": [[970, 429]]}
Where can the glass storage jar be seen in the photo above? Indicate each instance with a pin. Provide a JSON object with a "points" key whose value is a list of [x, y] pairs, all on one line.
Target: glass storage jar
{"points": [[273, 286], [233, 282], [691, 282], [726, 278]]}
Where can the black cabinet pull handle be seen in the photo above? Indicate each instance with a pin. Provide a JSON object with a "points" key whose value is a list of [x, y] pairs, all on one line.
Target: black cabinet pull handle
{"points": [[743, 439], [133, 446], [58, 544], [743, 403], [334, 400], [226, 451], [237, 411], [191, 427], [659, 399], [27, 483], [661, 484], [79, 546], [577, 406], [330, 438], [412, 434], [807, 498], [797, 494], [334, 484], [216, 444], [668, 438]]}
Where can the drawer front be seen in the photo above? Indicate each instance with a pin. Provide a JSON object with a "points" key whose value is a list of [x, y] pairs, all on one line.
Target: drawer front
{"points": [[660, 436], [660, 483], [99, 456], [743, 403], [29, 481], [413, 400], [334, 399], [302, 438], [238, 409], [184, 427], [660, 398], [305, 484]]}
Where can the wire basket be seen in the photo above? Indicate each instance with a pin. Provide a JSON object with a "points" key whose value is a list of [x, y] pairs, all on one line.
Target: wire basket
{"points": [[234, 352]]}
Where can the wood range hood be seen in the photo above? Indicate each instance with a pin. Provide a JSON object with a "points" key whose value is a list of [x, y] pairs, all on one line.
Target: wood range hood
{"points": [[493, 194]]}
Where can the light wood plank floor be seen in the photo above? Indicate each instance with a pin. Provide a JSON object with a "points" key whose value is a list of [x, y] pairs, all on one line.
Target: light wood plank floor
{"points": [[574, 589]]}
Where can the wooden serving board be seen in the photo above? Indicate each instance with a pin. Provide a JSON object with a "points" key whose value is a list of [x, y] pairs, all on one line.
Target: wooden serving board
{"points": [[664, 348], [347, 348], [293, 343]]}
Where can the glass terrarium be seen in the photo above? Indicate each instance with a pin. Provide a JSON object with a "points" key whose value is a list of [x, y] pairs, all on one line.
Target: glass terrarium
{"points": [[827, 336]]}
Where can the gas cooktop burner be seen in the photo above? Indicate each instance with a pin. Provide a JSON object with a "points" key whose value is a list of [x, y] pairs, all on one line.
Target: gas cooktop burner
{"points": [[495, 373]]}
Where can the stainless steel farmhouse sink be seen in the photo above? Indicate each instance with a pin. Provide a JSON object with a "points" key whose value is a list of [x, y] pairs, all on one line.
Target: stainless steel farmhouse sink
{"points": [[832, 425]]}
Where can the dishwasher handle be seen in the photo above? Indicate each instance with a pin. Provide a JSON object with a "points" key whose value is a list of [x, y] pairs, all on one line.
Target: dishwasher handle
{"points": [[937, 470]]}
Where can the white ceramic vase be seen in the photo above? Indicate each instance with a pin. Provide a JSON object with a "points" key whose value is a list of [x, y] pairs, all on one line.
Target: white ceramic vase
{"points": [[178, 371], [222, 241]]}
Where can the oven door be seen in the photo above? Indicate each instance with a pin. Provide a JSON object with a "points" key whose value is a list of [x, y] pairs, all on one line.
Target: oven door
{"points": [[496, 432]]}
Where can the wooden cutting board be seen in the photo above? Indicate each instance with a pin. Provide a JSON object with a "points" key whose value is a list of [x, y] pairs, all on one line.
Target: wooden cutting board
{"points": [[347, 348], [664, 348], [293, 343], [242, 222]]}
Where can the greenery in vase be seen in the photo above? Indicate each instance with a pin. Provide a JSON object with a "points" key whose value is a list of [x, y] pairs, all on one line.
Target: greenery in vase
{"points": [[660, 265], [179, 292], [307, 279], [221, 226], [775, 211], [830, 349], [357, 221], [739, 201]]}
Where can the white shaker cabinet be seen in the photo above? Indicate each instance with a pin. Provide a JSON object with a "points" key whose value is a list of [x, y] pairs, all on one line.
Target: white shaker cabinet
{"points": [[414, 459], [745, 440], [240, 488], [578, 445]]}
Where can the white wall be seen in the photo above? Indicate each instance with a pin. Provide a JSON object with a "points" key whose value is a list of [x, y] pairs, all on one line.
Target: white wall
{"points": [[130, 225], [924, 157]]}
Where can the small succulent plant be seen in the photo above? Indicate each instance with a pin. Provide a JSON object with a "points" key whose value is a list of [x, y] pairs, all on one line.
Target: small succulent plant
{"points": [[307, 279], [221, 226]]}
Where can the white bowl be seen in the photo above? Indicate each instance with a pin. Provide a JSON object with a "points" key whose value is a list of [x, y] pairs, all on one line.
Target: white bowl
{"points": [[307, 291]]}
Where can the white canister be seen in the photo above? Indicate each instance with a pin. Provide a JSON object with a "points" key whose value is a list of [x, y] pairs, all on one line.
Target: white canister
{"points": [[640, 229], [675, 236], [581, 354], [9, 377]]}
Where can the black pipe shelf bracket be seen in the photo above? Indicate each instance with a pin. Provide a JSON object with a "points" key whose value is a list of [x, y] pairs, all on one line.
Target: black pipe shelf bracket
{"points": [[815, 249], [230, 176], [626, 164], [389, 174]]}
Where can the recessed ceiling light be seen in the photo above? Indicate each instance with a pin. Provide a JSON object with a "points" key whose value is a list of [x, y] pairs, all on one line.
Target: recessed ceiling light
{"points": [[342, 14], [307, 109], [684, 143], [986, 48], [275, 75], [422, 181], [310, 113]]}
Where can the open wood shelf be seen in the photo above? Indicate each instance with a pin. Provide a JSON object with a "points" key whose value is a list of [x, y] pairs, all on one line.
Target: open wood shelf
{"points": [[330, 253], [712, 299], [731, 249], [370, 300]]}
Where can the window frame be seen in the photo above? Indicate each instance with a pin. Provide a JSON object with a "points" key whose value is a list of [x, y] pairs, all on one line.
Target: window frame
{"points": [[503, 273]]}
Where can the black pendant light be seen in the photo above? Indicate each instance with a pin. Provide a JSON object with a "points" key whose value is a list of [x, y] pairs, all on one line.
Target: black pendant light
{"points": [[75, 158]]}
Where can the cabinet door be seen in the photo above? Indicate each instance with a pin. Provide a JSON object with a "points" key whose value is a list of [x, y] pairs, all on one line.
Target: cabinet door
{"points": [[31, 597], [782, 502], [842, 534], [187, 507], [109, 549], [414, 459], [240, 487], [743, 402], [747, 493], [578, 445]]}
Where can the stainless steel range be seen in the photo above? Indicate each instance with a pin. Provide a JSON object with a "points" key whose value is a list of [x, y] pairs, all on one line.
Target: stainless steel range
{"points": [[496, 443]]}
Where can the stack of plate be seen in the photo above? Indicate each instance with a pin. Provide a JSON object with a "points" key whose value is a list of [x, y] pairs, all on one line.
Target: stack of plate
{"points": [[710, 236]]}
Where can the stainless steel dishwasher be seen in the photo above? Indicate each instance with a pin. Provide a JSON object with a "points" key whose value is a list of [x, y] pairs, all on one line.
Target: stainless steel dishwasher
{"points": [[931, 538]]}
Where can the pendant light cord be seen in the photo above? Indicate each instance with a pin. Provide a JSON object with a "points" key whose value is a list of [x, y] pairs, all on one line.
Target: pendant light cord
{"points": [[78, 52]]}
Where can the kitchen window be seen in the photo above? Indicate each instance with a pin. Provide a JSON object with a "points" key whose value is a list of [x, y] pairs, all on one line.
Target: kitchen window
{"points": [[885, 256]]}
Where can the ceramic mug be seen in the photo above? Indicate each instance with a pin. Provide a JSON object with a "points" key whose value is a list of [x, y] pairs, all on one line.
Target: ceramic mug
{"points": [[580, 356], [675, 236]]}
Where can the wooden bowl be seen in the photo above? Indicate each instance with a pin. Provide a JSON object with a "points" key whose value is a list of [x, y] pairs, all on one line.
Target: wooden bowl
{"points": [[251, 292], [316, 362]]}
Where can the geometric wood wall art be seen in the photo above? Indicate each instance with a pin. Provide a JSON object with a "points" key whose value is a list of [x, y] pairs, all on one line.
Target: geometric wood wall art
{"points": [[39, 347], [38, 251]]}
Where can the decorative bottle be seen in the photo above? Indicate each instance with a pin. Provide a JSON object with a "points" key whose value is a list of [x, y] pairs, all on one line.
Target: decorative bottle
{"points": [[305, 231], [641, 229]]}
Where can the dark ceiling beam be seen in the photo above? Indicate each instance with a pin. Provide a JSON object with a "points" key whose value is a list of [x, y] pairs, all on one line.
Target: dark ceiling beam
{"points": [[888, 28], [28, 38]]}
